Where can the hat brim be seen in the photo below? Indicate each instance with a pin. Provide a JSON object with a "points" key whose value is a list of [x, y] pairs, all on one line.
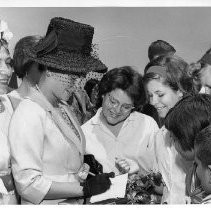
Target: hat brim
{"points": [[69, 63]]}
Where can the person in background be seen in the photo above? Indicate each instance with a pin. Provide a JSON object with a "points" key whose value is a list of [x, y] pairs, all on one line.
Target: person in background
{"points": [[6, 60], [82, 101], [167, 82], [46, 141], [159, 48], [118, 136], [28, 71], [202, 148], [189, 116], [202, 72], [193, 71], [156, 49], [7, 190]]}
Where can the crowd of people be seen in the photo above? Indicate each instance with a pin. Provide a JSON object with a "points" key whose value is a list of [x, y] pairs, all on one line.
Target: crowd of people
{"points": [[71, 123]]}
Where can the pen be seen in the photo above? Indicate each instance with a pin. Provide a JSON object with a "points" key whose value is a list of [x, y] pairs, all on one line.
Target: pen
{"points": [[92, 174]]}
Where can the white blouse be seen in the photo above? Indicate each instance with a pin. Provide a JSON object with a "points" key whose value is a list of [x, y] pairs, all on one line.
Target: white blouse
{"points": [[173, 168], [134, 141]]}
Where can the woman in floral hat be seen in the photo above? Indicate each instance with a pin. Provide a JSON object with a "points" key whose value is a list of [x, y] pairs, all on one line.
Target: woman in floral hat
{"points": [[47, 144], [5, 67], [7, 189]]}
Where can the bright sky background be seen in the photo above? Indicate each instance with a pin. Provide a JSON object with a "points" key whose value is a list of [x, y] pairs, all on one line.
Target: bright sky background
{"points": [[122, 34]]}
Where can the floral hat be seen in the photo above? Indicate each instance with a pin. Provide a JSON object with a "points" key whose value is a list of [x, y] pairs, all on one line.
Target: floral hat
{"points": [[5, 33], [67, 48]]}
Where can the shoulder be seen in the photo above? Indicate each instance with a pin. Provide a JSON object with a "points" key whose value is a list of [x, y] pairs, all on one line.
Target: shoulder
{"points": [[6, 109], [88, 125], [163, 138], [28, 109], [5, 101], [95, 120], [143, 118]]}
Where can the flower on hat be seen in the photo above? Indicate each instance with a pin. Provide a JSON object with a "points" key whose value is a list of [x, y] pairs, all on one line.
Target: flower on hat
{"points": [[6, 34]]}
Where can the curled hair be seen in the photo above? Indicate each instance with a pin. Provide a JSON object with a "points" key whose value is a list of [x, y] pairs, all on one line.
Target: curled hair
{"points": [[188, 117], [126, 79], [202, 146], [20, 61], [176, 75], [158, 48]]}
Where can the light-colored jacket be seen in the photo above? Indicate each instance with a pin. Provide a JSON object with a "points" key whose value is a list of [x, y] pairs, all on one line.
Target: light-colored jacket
{"points": [[43, 148]]}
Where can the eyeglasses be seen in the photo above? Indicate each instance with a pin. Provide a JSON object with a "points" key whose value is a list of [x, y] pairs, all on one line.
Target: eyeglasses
{"points": [[114, 103]]}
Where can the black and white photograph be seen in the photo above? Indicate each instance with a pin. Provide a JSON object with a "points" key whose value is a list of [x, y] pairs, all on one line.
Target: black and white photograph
{"points": [[105, 103]]}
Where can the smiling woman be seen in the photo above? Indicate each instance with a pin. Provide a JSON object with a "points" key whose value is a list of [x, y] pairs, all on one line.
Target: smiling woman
{"points": [[120, 137], [167, 82], [5, 59]]}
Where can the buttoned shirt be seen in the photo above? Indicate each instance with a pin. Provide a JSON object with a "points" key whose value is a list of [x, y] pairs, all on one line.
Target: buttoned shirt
{"points": [[134, 141]]}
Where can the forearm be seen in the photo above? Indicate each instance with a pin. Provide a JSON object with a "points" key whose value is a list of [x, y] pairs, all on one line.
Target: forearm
{"points": [[60, 190]]}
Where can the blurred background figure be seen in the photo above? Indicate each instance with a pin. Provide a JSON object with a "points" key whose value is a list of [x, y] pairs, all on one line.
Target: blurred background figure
{"points": [[158, 48], [203, 72], [28, 71], [84, 98], [7, 187], [5, 59]]}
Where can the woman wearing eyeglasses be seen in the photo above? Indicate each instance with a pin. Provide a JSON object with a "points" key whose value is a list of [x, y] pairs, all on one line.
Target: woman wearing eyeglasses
{"points": [[120, 137]]}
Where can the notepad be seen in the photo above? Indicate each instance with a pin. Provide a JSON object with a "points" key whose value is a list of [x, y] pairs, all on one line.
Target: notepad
{"points": [[116, 190]]}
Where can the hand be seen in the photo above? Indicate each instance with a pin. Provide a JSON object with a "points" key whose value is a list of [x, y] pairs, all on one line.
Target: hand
{"points": [[97, 184], [122, 165], [83, 172], [95, 166]]}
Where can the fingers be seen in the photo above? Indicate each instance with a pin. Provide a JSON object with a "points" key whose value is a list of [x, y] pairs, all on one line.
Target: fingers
{"points": [[122, 165]]}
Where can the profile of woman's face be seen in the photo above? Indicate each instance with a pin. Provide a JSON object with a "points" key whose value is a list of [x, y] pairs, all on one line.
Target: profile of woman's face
{"points": [[5, 67], [116, 106], [63, 85], [162, 97]]}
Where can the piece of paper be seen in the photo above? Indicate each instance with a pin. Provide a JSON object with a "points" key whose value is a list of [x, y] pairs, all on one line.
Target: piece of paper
{"points": [[116, 190]]}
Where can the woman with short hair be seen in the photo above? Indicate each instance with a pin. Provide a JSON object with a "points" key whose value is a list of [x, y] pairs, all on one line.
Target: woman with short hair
{"points": [[120, 137]]}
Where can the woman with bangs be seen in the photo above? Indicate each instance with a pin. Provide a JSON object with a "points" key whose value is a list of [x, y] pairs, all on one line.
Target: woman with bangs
{"points": [[167, 82]]}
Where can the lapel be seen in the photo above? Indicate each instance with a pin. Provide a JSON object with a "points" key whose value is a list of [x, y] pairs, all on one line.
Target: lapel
{"points": [[77, 126], [36, 96]]}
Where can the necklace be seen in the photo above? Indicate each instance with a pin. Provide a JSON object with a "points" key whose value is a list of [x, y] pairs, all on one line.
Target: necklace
{"points": [[68, 121]]}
